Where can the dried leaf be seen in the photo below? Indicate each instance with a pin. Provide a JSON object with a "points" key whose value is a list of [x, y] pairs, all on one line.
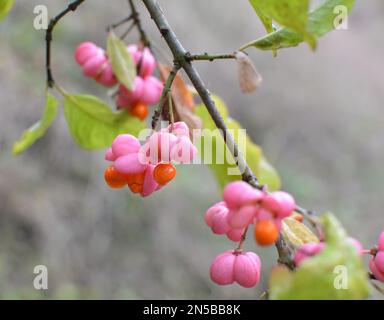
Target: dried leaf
{"points": [[249, 78]]}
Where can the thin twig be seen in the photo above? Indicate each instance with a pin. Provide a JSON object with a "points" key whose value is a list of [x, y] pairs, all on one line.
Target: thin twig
{"points": [[285, 254], [118, 24], [166, 91], [48, 38], [209, 57], [136, 19], [241, 243], [170, 109], [129, 29]]}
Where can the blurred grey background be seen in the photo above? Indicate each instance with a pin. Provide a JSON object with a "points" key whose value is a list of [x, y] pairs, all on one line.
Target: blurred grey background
{"points": [[318, 116]]}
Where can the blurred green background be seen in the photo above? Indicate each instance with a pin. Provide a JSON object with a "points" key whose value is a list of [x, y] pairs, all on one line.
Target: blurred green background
{"points": [[318, 116]]}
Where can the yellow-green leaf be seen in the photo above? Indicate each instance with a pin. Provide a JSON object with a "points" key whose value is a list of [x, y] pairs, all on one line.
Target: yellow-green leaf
{"points": [[337, 272], [92, 123], [320, 21], [5, 7], [292, 14], [265, 19], [296, 233], [122, 62], [212, 150], [38, 130]]}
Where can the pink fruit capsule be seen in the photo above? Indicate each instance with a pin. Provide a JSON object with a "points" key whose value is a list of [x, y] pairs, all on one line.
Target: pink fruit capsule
{"points": [[133, 49], [127, 98], [179, 129], [107, 77], [375, 271], [85, 51], [379, 261], [95, 65], [183, 150], [230, 267], [279, 203], [235, 235], [149, 185], [263, 214], [306, 251], [381, 241], [152, 91], [247, 269], [216, 218], [124, 144], [210, 213], [129, 164], [147, 63], [222, 268], [109, 156], [239, 193], [158, 147], [242, 217]]}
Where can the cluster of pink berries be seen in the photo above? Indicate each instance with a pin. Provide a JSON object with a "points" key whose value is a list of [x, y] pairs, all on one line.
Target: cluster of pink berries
{"points": [[376, 264], [95, 63], [146, 90], [146, 169], [242, 206]]}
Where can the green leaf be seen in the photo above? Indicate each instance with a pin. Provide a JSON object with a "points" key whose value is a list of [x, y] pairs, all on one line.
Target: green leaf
{"points": [[92, 123], [5, 7], [39, 128], [266, 20], [213, 150], [320, 22], [122, 62], [292, 14], [316, 277]]}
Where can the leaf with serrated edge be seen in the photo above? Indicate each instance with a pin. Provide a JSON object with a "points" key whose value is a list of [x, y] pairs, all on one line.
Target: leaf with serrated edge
{"points": [[320, 22], [93, 125], [121, 61], [38, 130]]}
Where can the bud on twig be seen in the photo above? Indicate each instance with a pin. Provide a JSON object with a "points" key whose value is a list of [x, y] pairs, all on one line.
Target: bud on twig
{"points": [[249, 78]]}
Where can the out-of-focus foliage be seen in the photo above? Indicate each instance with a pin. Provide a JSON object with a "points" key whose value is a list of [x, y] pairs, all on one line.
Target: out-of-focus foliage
{"points": [[316, 278], [5, 7], [92, 123], [295, 28], [37, 130], [227, 171]]}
